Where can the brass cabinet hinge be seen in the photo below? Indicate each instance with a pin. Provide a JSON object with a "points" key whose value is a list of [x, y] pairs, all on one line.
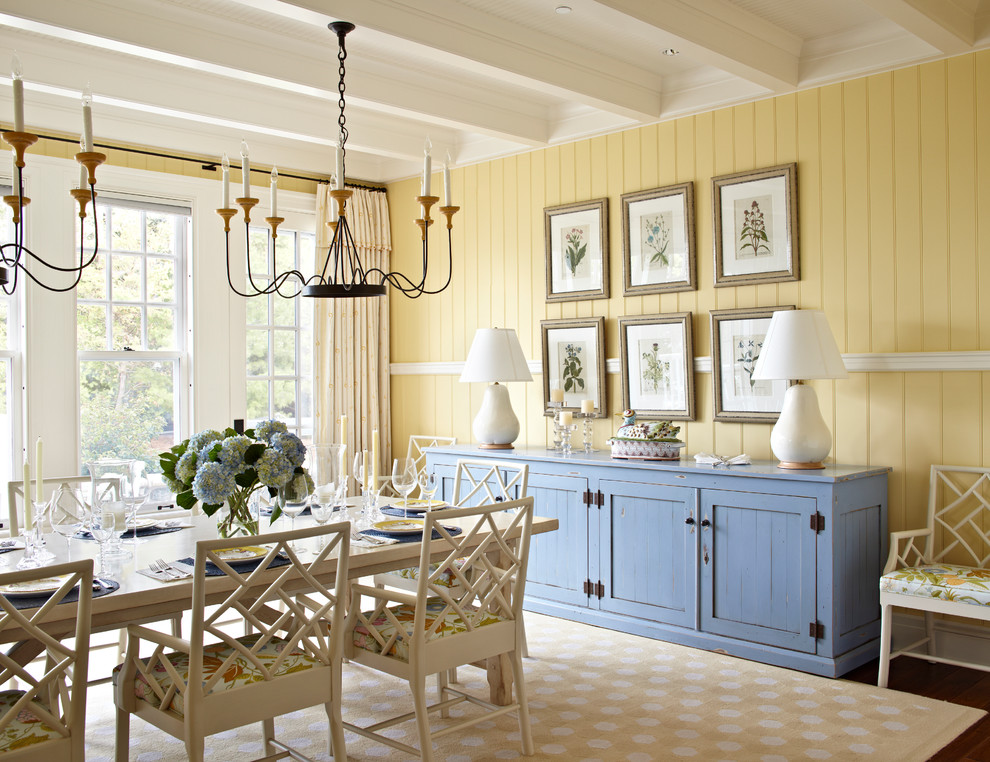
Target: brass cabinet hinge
{"points": [[600, 590], [816, 630], [817, 522]]}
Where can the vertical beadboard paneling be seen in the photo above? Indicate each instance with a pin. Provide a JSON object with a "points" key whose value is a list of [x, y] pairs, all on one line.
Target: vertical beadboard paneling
{"points": [[892, 193]]}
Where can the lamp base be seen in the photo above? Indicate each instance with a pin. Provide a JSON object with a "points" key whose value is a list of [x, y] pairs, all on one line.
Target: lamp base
{"points": [[496, 426], [496, 447], [799, 466]]}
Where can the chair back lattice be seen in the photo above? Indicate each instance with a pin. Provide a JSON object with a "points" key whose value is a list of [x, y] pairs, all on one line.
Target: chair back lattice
{"points": [[310, 620], [490, 578], [959, 516], [418, 444], [107, 487], [58, 696], [482, 482]]}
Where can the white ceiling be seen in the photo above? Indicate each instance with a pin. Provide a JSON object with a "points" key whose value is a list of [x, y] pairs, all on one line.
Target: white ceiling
{"points": [[480, 78]]}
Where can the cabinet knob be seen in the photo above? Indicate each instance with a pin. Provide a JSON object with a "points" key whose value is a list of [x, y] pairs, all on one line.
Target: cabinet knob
{"points": [[706, 523], [689, 521]]}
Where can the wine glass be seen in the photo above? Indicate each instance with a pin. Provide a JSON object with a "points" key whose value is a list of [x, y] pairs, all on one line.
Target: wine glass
{"points": [[117, 470], [293, 497], [68, 512], [102, 525], [429, 483], [327, 466], [404, 479], [136, 487], [321, 512]]}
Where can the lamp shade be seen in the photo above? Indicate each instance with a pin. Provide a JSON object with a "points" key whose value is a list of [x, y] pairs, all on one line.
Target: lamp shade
{"points": [[496, 355], [799, 345]]}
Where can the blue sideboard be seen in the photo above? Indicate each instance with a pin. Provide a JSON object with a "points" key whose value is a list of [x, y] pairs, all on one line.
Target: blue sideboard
{"points": [[776, 566]]}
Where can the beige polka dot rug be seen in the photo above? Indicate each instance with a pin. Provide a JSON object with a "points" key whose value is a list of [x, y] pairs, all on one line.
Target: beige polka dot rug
{"points": [[602, 695]]}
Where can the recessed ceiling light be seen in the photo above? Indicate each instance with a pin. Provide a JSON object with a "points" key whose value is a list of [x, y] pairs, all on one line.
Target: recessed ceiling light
{"points": [[563, 9], [670, 52]]}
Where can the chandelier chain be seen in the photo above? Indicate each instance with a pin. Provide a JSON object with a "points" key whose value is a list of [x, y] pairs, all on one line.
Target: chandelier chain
{"points": [[342, 119]]}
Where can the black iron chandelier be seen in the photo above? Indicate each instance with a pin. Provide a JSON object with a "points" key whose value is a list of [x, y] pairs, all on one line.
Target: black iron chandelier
{"points": [[342, 275], [15, 254]]}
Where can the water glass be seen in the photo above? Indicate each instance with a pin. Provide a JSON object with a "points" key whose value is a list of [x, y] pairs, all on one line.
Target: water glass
{"points": [[67, 512], [102, 525], [293, 497], [429, 483]]}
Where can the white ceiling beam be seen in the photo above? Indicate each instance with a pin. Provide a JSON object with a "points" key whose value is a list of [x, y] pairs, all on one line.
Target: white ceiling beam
{"points": [[946, 25], [181, 38], [723, 35], [463, 37]]}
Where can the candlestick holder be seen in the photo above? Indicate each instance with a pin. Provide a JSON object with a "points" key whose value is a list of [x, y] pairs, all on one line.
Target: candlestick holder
{"points": [[555, 417], [565, 445], [588, 431], [35, 553]]}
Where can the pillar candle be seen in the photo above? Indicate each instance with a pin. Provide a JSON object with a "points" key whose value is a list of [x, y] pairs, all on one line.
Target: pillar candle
{"points": [[17, 74], [427, 168], [566, 417], [587, 406], [39, 474], [28, 511], [556, 395], [87, 108], [245, 171], [374, 459], [274, 190], [225, 193]]}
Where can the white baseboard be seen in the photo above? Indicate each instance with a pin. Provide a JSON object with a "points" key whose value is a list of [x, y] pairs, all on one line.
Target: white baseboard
{"points": [[953, 640]]}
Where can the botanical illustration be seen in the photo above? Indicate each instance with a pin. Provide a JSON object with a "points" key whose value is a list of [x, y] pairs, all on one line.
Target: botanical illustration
{"points": [[654, 372], [571, 367], [754, 239], [746, 352], [576, 246], [655, 232]]}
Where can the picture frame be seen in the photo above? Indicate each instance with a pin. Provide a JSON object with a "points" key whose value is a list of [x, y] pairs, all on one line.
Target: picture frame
{"points": [[657, 366], [658, 253], [577, 251], [574, 360], [737, 336], [756, 228]]}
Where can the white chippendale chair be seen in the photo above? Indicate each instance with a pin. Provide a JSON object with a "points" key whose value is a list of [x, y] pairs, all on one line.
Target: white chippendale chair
{"points": [[418, 444], [107, 487], [215, 681], [949, 573], [442, 626], [46, 720]]}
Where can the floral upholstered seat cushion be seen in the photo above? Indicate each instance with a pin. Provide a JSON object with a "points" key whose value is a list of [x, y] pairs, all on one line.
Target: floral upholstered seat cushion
{"points": [[240, 672], [447, 580], [947, 582], [25, 729], [405, 613]]}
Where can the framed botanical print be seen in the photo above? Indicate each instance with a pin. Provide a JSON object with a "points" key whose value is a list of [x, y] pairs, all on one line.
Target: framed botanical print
{"points": [[657, 364], [577, 251], [737, 339], [574, 361], [756, 231], [658, 240]]}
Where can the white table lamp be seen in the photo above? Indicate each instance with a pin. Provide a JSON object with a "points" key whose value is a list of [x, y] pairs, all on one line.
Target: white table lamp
{"points": [[799, 346], [496, 356]]}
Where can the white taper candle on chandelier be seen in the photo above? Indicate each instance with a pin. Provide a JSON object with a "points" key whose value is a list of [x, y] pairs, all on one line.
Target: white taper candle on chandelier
{"points": [[83, 173], [274, 194], [13, 168], [245, 171], [427, 168], [87, 108], [338, 171], [446, 181], [225, 184], [17, 74]]}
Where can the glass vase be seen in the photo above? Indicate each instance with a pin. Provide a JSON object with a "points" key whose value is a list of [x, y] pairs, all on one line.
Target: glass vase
{"points": [[237, 519]]}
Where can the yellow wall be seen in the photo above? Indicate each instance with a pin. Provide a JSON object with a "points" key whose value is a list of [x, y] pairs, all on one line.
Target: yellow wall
{"points": [[893, 185]]}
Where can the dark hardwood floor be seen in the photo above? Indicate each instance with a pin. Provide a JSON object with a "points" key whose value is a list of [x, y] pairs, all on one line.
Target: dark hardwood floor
{"points": [[946, 683]]}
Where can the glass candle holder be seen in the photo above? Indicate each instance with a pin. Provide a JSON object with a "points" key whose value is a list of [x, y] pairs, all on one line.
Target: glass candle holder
{"points": [[565, 445], [556, 406], [588, 431]]}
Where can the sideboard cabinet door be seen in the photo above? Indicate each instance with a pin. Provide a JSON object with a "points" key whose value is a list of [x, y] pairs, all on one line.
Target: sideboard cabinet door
{"points": [[648, 551], [758, 567], [558, 561]]}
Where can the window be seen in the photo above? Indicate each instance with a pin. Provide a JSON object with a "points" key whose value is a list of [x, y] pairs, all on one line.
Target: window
{"points": [[130, 331], [280, 335], [8, 348]]}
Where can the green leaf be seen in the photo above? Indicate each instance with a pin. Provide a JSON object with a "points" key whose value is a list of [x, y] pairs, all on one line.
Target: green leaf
{"points": [[276, 512], [568, 385], [186, 499], [209, 509], [254, 452], [247, 478]]}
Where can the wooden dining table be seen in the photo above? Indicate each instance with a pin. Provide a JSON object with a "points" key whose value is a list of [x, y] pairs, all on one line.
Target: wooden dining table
{"points": [[141, 599]]}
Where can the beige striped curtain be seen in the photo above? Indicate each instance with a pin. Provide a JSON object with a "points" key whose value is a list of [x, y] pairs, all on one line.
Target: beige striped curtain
{"points": [[351, 336]]}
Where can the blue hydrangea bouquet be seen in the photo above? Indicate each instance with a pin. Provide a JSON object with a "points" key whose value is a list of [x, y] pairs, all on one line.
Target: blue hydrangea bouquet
{"points": [[215, 467]]}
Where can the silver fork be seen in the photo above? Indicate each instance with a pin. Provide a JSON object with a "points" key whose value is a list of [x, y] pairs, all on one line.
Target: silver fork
{"points": [[161, 567]]}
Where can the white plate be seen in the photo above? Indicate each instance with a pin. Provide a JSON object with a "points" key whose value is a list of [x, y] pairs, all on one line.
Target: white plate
{"points": [[34, 587], [244, 553], [400, 526], [142, 524], [419, 506]]}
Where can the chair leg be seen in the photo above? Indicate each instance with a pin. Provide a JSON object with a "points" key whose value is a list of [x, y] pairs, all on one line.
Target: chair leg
{"points": [[930, 633], [885, 617], [521, 638], [525, 730], [177, 626], [268, 733], [195, 748], [122, 743], [338, 750], [418, 687], [442, 676]]}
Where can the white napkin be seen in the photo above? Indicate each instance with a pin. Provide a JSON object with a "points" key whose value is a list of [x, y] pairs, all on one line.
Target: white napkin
{"points": [[711, 459]]}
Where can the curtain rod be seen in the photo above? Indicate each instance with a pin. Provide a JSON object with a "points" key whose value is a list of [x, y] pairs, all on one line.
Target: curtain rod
{"points": [[211, 166]]}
